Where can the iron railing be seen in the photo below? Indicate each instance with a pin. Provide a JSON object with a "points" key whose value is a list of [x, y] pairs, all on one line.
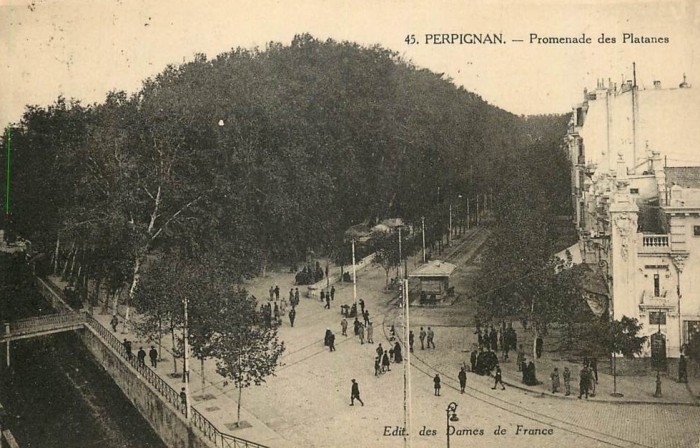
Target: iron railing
{"points": [[42, 323], [170, 395]]}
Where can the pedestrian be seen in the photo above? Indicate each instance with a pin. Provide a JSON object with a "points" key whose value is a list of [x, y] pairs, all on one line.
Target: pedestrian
{"points": [[397, 353], [127, 348], [355, 393], [421, 336], [531, 374], [362, 306], [283, 306], [183, 396], [462, 379], [411, 337], [291, 295], [493, 339], [277, 292], [331, 342], [436, 381], [292, 315], [327, 337], [583, 382], [361, 334], [499, 379], [153, 354], [272, 293], [328, 303], [472, 360], [521, 358], [380, 350], [356, 326], [344, 326], [555, 380], [567, 381], [332, 292], [114, 322], [365, 315], [377, 366], [523, 369], [682, 370], [323, 295], [370, 332], [385, 362], [539, 345], [277, 312], [431, 338], [141, 357], [594, 368], [296, 296]]}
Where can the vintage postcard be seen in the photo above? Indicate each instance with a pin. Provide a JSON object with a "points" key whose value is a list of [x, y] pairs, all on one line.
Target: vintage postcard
{"points": [[350, 224]]}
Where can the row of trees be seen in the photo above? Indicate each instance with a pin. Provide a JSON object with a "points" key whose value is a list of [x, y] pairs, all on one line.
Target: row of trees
{"points": [[214, 169]]}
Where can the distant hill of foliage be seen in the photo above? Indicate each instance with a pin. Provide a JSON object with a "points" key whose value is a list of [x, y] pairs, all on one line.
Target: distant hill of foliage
{"points": [[260, 155]]}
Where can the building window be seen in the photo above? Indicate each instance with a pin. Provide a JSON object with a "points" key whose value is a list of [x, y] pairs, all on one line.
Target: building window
{"points": [[657, 318], [634, 190], [657, 286], [696, 230]]}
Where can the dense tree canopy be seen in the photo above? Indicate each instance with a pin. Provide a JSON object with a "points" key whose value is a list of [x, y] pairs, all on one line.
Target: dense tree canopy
{"points": [[262, 155]]}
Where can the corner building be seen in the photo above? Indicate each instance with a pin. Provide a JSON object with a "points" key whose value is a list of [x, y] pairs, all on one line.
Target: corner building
{"points": [[635, 180]]}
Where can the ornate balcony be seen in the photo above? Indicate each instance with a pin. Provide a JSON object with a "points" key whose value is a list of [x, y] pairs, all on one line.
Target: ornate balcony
{"points": [[654, 244]]}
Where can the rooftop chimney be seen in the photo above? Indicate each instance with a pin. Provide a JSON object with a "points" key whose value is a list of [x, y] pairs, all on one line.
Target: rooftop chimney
{"points": [[684, 84], [657, 84]]}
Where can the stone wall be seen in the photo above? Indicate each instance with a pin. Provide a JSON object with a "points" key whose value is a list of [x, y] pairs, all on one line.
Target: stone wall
{"points": [[168, 423]]}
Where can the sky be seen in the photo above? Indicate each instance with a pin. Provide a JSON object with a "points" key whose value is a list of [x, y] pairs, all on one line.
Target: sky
{"points": [[84, 48]]}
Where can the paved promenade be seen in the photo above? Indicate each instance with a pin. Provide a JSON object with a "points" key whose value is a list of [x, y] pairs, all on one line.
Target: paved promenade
{"points": [[307, 403]]}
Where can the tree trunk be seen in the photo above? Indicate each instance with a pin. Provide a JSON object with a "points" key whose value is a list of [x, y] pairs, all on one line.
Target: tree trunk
{"points": [[202, 364], [172, 334], [65, 265], [160, 339], [71, 279], [132, 289], [55, 256], [240, 393], [115, 301], [264, 265]]}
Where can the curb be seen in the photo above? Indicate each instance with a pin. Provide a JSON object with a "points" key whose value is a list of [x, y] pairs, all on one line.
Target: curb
{"points": [[563, 397]]}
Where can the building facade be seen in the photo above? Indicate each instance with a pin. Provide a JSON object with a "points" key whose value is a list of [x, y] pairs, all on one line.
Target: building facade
{"points": [[635, 180]]}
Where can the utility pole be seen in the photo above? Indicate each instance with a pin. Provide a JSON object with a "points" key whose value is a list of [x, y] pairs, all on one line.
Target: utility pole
{"points": [[422, 219], [406, 369], [186, 371], [468, 217], [354, 275], [449, 235]]}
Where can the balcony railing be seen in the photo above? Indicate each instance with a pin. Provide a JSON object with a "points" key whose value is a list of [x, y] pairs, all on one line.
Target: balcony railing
{"points": [[655, 241]]}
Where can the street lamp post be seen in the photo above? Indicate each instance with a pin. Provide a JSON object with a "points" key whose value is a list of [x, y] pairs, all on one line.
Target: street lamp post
{"points": [[451, 417], [657, 393]]}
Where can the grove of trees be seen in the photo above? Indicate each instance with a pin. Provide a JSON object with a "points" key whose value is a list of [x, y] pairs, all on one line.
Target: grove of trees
{"points": [[259, 156]]}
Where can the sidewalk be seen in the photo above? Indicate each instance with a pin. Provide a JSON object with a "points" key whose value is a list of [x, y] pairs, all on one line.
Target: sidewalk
{"points": [[635, 389], [213, 407]]}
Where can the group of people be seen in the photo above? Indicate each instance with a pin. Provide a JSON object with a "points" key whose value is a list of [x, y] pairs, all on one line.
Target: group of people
{"points": [[491, 339], [310, 274], [384, 358], [141, 354], [483, 362]]}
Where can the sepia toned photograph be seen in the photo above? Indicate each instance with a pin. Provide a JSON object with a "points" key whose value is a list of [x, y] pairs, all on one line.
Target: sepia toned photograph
{"points": [[316, 223]]}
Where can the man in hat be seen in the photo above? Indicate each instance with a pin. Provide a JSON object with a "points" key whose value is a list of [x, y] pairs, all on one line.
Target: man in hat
{"points": [[355, 393]]}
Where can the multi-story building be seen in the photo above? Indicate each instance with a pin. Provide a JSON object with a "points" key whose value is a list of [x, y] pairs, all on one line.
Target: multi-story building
{"points": [[636, 195]]}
